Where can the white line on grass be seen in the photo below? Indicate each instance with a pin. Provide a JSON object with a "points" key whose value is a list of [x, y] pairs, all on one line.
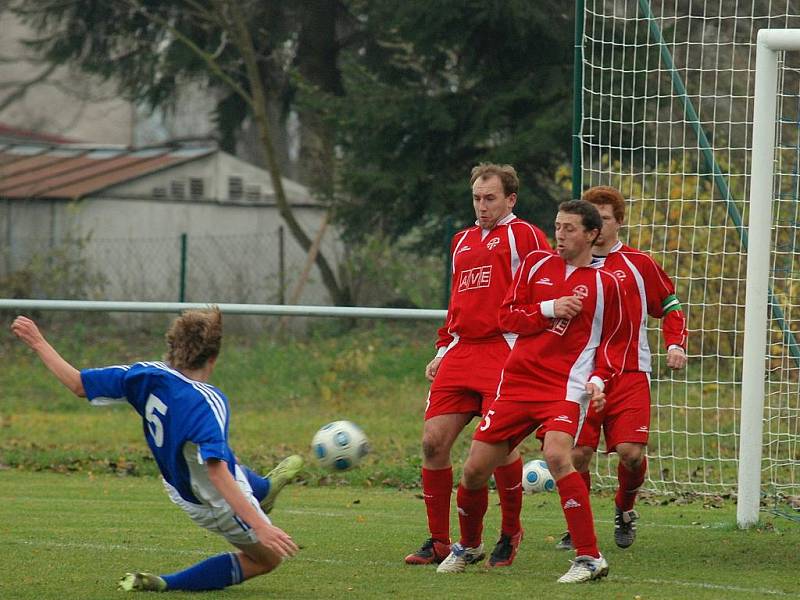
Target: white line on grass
{"points": [[386, 564]]}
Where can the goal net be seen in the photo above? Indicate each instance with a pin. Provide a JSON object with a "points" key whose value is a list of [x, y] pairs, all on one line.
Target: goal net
{"points": [[667, 116]]}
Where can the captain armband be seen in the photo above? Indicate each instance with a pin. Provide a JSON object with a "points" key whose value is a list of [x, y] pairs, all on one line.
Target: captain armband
{"points": [[671, 303]]}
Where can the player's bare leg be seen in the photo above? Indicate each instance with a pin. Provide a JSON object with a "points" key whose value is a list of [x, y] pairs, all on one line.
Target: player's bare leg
{"points": [[631, 472], [438, 435]]}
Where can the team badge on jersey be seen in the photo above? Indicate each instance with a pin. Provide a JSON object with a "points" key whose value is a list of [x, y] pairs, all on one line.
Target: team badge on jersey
{"points": [[580, 291], [620, 274], [492, 243]]}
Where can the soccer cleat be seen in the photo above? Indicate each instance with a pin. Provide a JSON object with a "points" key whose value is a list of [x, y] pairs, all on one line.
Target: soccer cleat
{"points": [[585, 568], [282, 474], [565, 543], [505, 550], [624, 527], [459, 558], [431, 552], [141, 582]]}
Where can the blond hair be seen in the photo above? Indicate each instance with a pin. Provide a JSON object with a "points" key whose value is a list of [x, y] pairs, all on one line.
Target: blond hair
{"points": [[194, 338], [506, 173]]}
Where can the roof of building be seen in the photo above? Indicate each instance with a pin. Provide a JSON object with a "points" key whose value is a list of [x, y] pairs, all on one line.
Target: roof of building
{"points": [[26, 135], [42, 169]]}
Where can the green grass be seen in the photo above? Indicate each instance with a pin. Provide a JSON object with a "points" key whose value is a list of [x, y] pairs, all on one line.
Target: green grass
{"points": [[73, 536]]}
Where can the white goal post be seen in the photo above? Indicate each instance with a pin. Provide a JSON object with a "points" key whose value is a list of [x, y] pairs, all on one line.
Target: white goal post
{"points": [[769, 43]]}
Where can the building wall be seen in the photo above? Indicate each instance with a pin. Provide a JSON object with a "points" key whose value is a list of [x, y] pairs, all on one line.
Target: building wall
{"points": [[131, 249]]}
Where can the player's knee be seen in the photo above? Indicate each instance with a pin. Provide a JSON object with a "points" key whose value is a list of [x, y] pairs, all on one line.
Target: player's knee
{"points": [[581, 456], [434, 448], [266, 562], [475, 475], [631, 455], [558, 461]]}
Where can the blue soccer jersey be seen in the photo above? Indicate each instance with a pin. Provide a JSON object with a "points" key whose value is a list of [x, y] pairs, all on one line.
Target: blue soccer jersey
{"points": [[185, 422]]}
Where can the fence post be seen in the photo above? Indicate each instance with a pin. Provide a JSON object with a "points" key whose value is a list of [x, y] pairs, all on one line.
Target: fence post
{"points": [[182, 292]]}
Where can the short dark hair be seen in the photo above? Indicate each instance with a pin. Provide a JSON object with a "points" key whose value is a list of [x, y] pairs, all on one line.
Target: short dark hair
{"points": [[590, 217], [506, 173]]}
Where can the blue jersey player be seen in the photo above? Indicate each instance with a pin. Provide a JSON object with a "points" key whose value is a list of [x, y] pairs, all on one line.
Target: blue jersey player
{"points": [[185, 422]]}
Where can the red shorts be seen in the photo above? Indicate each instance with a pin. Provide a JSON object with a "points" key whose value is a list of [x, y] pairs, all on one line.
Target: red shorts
{"points": [[467, 379], [626, 417], [512, 421]]}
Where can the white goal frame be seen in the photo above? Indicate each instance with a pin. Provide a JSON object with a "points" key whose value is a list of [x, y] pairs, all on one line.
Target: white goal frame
{"points": [[769, 43]]}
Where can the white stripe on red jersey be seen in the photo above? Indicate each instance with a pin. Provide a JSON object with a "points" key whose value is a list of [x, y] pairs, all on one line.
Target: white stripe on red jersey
{"points": [[554, 358], [483, 264], [648, 291]]}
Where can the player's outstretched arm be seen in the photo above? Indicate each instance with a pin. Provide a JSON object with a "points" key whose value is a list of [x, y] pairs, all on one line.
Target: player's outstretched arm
{"points": [[27, 331], [270, 536]]}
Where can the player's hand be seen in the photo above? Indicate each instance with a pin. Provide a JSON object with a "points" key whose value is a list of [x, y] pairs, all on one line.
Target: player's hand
{"points": [[432, 368], [567, 307], [676, 358], [596, 397], [277, 540], [27, 331]]}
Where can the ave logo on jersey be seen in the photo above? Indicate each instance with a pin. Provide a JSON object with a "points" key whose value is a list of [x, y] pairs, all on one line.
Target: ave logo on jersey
{"points": [[492, 243], [472, 279], [559, 326], [580, 291]]}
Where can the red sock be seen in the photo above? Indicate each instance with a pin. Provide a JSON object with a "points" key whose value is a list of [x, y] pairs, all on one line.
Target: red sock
{"points": [[437, 487], [629, 484], [509, 487], [472, 506], [587, 479], [578, 513]]}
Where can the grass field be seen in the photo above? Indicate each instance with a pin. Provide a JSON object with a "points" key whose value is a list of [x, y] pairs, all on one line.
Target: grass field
{"points": [[80, 503], [72, 536]]}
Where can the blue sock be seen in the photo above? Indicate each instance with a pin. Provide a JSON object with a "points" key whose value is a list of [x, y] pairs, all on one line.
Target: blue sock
{"points": [[213, 573], [259, 484]]}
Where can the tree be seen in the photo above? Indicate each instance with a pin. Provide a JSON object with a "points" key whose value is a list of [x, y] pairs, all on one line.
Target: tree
{"points": [[434, 88], [150, 47]]}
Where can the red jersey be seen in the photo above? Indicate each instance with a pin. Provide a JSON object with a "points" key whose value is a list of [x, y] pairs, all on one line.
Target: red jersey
{"points": [[648, 291], [483, 263], [554, 358]]}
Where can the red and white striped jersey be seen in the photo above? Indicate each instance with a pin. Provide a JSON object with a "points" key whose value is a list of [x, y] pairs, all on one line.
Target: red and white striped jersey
{"points": [[483, 263], [554, 358], [648, 291]]}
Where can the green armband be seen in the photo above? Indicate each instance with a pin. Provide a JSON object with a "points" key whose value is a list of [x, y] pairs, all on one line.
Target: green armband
{"points": [[670, 303]]}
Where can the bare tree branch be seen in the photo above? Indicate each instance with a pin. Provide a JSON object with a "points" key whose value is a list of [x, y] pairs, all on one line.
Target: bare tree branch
{"points": [[24, 86], [207, 58]]}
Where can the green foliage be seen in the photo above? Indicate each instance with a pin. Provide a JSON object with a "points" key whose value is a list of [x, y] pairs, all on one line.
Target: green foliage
{"points": [[60, 271], [381, 273], [437, 88]]}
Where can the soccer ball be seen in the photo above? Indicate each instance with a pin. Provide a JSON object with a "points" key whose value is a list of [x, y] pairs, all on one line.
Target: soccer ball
{"points": [[340, 445], [536, 477]]}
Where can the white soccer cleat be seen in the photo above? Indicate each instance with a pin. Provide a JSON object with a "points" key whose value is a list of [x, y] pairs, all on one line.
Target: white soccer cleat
{"points": [[459, 558], [585, 568], [141, 582]]}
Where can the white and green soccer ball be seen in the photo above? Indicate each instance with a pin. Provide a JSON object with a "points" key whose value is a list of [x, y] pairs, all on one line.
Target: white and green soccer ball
{"points": [[340, 445], [536, 477]]}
